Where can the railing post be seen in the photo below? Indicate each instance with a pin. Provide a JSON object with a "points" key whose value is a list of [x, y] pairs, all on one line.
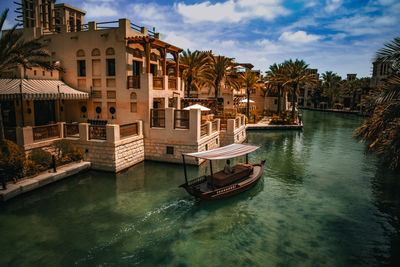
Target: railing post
{"points": [[112, 133], [140, 127], [230, 125], [195, 123], [84, 131], [3, 179], [209, 128], [169, 118], [61, 128], [218, 124], [25, 135], [92, 26]]}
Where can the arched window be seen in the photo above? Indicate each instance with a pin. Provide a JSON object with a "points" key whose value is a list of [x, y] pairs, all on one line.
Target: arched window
{"points": [[133, 103], [110, 51], [96, 52], [80, 53]]}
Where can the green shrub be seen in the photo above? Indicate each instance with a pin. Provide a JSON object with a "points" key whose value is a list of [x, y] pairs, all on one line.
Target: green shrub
{"points": [[41, 158], [12, 158], [67, 152], [31, 168], [63, 147], [284, 119]]}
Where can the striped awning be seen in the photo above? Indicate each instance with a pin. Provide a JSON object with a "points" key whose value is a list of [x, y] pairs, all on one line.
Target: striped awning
{"points": [[225, 152], [34, 89]]}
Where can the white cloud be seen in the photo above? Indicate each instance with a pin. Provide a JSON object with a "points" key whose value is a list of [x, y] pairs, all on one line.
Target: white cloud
{"points": [[103, 10], [332, 5], [231, 10], [298, 37]]}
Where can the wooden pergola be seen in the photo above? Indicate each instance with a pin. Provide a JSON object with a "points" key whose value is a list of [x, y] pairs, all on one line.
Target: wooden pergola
{"points": [[149, 42]]}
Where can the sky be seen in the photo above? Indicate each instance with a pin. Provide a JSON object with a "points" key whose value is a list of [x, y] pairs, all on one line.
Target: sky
{"points": [[330, 35]]}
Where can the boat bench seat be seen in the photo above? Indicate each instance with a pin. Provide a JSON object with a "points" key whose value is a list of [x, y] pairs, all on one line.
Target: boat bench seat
{"points": [[221, 179]]}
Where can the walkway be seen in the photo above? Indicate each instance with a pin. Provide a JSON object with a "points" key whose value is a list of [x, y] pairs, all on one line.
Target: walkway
{"points": [[43, 179]]}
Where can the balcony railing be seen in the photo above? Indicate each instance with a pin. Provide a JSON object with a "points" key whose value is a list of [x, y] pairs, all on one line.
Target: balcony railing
{"points": [[237, 122], [158, 83], [128, 130], [157, 118], [181, 119], [203, 130], [97, 132], [71, 130], [45, 132], [214, 126], [172, 83], [134, 82]]}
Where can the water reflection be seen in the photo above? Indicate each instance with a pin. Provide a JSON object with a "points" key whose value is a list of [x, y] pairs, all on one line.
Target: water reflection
{"points": [[386, 197]]}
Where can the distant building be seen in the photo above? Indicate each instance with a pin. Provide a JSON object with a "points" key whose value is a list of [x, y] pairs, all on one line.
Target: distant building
{"points": [[380, 71]]}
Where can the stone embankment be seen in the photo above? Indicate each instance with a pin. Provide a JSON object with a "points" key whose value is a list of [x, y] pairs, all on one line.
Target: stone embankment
{"points": [[43, 179], [264, 125]]}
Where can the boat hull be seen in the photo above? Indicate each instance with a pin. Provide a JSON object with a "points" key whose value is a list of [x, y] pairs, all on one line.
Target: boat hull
{"points": [[229, 190]]}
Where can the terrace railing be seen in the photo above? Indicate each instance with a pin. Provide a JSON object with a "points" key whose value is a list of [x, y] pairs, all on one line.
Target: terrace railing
{"points": [[158, 83], [128, 130], [203, 130], [97, 132], [134, 82], [46, 132], [237, 122], [157, 118], [71, 130], [172, 83], [181, 119], [214, 126]]}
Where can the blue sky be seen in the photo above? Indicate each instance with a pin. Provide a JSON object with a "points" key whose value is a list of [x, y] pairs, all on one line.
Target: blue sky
{"points": [[341, 36]]}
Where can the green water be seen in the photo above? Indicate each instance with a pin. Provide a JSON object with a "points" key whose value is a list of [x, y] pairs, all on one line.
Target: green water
{"points": [[320, 202]]}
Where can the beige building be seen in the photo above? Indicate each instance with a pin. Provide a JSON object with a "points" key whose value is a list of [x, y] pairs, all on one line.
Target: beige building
{"points": [[126, 82]]}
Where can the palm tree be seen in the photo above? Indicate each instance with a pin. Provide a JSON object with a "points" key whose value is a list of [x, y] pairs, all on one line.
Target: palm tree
{"points": [[298, 74], [382, 129], [17, 52], [249, 79], [331, 86], [219, 71], [277, 76], [197, 63]]}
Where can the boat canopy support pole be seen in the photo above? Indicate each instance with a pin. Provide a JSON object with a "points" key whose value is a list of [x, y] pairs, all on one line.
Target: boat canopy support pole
{"points": [[247, 158], [184, 168], [212, 175]]}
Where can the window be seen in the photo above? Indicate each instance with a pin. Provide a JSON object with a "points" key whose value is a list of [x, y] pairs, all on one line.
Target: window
{"points": [[34, 72], [170, 150], [80, 53], [153, 69], [111, 94], [136, 67], [96, 52], [276, 102], [110, 51], [110, 67], [81, 68], [43, 73]]}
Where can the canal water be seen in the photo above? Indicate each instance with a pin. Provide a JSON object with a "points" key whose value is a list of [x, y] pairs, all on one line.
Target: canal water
{"points": [[321, 202]]}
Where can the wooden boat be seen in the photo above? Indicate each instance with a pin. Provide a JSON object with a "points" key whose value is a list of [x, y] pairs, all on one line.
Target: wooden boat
{"points": [[220, 185]]}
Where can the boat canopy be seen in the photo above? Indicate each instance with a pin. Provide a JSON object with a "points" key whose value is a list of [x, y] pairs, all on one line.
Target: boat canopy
{"points": [[225, 152]]}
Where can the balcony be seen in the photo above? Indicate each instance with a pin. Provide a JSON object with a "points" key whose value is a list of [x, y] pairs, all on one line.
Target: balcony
{"points": [[158, 83], [172, 83], [133, 82]]}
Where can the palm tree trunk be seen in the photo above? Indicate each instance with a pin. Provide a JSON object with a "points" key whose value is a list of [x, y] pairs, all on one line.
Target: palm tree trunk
{"points": [[279, 100], [293, 98]]}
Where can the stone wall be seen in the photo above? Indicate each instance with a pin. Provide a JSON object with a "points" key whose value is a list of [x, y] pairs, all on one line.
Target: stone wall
{"points": [[157, 149]]}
